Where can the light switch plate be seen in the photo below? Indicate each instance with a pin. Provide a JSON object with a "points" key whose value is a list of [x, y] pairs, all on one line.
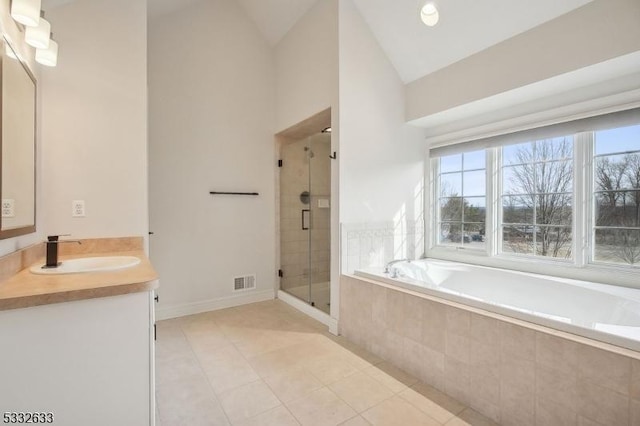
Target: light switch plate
{"points": [[8, 208], [77, 208]]}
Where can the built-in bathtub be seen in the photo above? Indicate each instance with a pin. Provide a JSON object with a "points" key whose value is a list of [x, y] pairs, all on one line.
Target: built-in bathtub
{"points": [[598, 311], [522, 349]]}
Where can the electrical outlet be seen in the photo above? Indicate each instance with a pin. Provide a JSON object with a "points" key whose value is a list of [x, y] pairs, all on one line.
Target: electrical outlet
{"points": [[8, 208], [77, 208]]}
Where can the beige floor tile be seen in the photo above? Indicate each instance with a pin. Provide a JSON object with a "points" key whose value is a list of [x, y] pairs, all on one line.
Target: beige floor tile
{"points": [[321, 408], [471, 417], [270, 340], [388, 380], [189, 401], [279, 416], [356, 421], [226, 369], [361, 391], [398, 374], [293, 384], [359, 351], [329, 368], [205, 340], [183, 365], [432, 402], [194, 413], [239, 365], [396, 411], [248, 401], [277, 362]]}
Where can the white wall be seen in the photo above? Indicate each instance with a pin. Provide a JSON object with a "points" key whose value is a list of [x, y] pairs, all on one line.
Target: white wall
{"points": [[381, 160], [307, 66], [596, 32], [94, 120], [211, 126], [9, 28]]}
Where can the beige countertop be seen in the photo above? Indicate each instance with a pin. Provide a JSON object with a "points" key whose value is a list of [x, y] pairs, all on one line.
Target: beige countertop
{"points": [[26, 289]]}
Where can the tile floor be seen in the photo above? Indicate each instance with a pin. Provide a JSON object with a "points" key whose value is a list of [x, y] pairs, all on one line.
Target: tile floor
{"points": [[268, 364]]}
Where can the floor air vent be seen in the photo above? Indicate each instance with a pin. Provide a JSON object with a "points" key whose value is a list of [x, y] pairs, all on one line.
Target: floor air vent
{"points": [[246, 282]]}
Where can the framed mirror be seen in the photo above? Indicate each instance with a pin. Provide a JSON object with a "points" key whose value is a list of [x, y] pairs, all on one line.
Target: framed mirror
{"points": [[17, 145]]}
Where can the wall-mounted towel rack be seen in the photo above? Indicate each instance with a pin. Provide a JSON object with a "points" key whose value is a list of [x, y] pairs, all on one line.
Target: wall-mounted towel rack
{"points": [[232, 193]]}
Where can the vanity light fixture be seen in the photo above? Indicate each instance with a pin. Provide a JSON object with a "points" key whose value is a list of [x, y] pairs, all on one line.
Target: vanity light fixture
{"points": [[26, 12], [38, 37], [48, 56], [326, 130], [429, 14]]}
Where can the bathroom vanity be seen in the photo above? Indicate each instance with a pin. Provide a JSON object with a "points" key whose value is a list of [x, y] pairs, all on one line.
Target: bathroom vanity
{"points": [[80, 346]]}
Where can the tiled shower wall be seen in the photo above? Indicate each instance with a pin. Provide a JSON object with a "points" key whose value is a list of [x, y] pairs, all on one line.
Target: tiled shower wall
{"points": [[297, 263], [514, 374], [371, 245]]}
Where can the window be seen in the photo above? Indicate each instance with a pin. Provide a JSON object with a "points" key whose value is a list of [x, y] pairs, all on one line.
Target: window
{"points": [[537, 198], [462, 199], [616, 175], [568, 192]]}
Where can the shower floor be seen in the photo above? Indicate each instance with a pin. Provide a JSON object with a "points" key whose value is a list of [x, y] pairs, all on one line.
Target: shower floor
{"points": [[320, 294]]}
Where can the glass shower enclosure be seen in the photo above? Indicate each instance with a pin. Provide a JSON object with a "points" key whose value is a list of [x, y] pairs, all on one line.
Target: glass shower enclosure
{"points": [[305, 217]]}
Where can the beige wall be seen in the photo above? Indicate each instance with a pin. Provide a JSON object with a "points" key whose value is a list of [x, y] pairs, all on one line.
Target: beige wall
{"points": [[94, 120], [596, 32]]}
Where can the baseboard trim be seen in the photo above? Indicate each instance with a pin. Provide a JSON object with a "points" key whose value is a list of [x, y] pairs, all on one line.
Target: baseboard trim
{"points": [[181, 310], [309, 310]]}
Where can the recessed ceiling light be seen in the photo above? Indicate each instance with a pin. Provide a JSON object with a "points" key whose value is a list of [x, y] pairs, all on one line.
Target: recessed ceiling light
{"points": [[429, 14]]}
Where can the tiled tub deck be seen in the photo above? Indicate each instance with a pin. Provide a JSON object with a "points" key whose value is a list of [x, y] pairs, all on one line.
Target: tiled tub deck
{"points": [[514, 372]]}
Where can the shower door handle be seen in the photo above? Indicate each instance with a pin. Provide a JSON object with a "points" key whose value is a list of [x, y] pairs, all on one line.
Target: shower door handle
{"points": [[306, 213]]}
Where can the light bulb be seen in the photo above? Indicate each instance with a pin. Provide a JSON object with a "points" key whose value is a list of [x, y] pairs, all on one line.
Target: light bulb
{"points": [[48, 56], [38, 37], [26, 12], [429, 14]]}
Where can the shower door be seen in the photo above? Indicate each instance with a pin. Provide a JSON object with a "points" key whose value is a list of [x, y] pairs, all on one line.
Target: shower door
{"points": [[305, 185]]}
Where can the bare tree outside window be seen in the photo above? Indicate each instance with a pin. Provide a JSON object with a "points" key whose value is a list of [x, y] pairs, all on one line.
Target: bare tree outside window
{"points": [[462, 199], [538, 198], [617, 199]]}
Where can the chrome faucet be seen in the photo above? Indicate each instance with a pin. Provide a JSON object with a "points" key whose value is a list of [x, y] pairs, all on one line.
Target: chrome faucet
{"points": [[389, 267], [52, 249]]}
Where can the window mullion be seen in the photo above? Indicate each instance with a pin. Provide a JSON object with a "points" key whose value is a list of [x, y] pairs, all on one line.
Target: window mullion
{"points": [[493, 213], [583, 213]]}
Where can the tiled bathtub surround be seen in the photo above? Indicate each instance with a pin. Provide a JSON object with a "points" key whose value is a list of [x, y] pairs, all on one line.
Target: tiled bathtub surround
{"points": [[514, 374], [366, 245]]}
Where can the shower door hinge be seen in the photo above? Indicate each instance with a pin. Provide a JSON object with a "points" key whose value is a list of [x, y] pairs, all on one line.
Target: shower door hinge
{"points": [[279, 163], [280, 273]]}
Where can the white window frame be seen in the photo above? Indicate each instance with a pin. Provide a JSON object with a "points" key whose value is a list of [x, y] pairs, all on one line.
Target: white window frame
{"points": [[582, 266]]}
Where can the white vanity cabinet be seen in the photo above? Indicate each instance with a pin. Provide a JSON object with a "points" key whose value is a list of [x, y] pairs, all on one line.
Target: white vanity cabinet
{"points": [[89, 362]]}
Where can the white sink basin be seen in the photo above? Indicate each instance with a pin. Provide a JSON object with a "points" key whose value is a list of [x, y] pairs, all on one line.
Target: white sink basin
{"points": [[89, 264]]}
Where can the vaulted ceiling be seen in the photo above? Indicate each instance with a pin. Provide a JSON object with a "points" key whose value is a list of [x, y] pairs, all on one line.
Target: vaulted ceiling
{"points": [[466, 26]]}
